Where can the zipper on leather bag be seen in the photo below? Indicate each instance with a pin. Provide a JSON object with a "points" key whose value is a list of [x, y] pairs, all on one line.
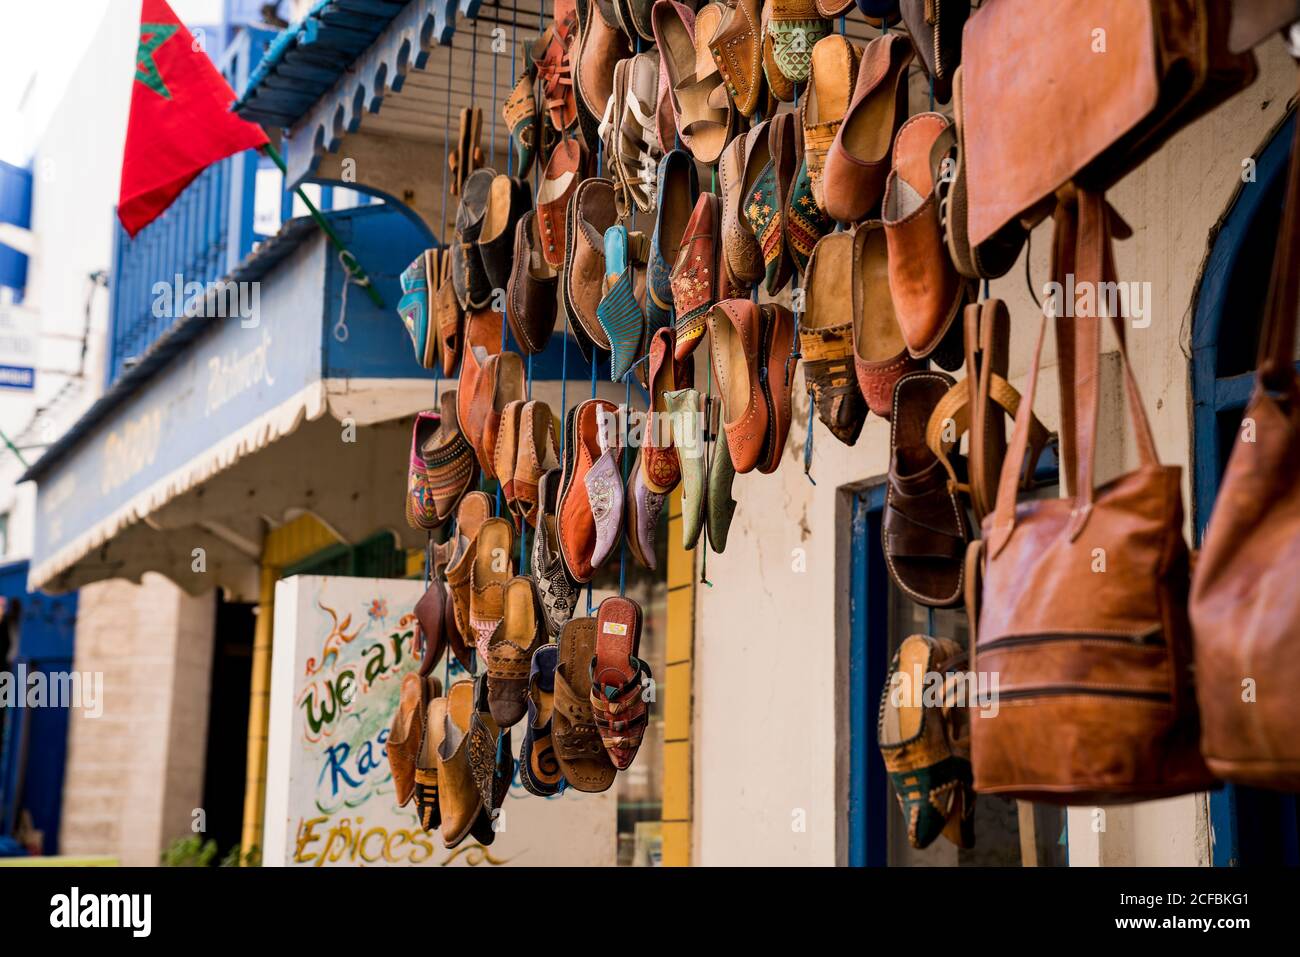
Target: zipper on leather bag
{"points": [[1151, 637], [1052, 691]]}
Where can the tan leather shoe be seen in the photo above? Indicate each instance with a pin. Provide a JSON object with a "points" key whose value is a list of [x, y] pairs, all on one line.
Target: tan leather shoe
{"points": [[510, 651], [737, 49], [834, 71], [563, 171], [601, 44], [538, 454], [734, 335], [506, 452], [493, 566], [858, 162], [475, 509], [427, 807], [592, 211], [458, 798], [926, 289], [742, 161], [879, 353], [778, 384], [482, 340], [500, 382], [406, 736]]}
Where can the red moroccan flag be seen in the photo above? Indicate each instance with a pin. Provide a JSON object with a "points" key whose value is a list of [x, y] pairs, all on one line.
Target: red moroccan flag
{"points": [[180, 118]]}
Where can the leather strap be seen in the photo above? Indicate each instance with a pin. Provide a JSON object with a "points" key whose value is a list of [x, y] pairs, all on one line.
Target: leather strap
{"points": [[1079, 353], [1277, 337]]}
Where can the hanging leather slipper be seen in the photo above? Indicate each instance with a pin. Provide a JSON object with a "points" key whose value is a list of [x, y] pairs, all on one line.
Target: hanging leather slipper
{"points": [[619, 314], [880, 356], [558, 592], [688, 438], [510, 651], [576, 521], [459, 801], [406, 736], [493, 567], [474, 510], [826, 338], [694, 277], [721, 507]]}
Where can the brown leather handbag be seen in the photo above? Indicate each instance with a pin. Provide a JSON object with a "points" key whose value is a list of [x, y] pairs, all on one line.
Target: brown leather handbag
{"points": [[1106, 83], [1245, 601], [1083, 613]]}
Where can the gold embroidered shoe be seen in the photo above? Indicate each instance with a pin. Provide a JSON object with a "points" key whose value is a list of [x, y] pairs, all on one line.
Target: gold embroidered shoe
{"points": [[924, 736]]}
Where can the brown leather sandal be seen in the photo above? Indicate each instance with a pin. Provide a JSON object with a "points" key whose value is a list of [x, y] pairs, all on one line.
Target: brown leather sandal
{"points": [[924, 531], [618, 680], [578, 748]]}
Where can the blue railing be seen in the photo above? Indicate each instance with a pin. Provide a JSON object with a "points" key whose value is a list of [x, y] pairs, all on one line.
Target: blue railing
{"points": [[200, 238]]}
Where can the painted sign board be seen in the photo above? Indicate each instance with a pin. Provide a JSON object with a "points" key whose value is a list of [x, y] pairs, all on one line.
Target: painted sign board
{"points": [[341, 647]]}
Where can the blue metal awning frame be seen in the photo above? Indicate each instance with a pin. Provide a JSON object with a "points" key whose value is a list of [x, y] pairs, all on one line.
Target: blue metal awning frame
{"points": [[256, 265], [308, 58]]}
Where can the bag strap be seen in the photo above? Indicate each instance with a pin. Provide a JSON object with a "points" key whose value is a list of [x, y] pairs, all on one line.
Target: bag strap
{"points": [[1277, 337], [1084, 225]]}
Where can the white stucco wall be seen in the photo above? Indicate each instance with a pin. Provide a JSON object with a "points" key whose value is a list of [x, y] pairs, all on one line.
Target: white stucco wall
{"points": [[771, 645]]}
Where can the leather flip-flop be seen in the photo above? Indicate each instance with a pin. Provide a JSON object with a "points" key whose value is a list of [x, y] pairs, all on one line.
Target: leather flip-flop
{"points": [[578, 748], [924, 530], [619, 679]]}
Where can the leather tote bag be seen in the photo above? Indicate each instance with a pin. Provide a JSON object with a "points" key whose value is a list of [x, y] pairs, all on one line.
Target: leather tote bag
{"points": [[1082, 90], [1246, 591], [1083, 611]]}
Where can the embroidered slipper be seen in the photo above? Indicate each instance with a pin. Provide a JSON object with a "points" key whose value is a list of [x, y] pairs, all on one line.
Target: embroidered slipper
{"points": [[605, 494], [414, 309], [450, 467], [805, 222], [763, 207], [679, 189], [660, 469], [582, 757], [694, 277], [539, 771], [420, 511], [491, 758], [793, 31], [619, 680], [826, 338], [644, 507], [926, 746], [558, 591], [520, 115], [619, 313]]}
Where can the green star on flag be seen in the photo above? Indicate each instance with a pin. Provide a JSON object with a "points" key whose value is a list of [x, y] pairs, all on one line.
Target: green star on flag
{"points": [[152, 36]]}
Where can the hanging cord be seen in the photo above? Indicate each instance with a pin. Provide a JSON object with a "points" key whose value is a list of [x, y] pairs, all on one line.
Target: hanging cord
{"points": [[348, 262], [1029, 279]]}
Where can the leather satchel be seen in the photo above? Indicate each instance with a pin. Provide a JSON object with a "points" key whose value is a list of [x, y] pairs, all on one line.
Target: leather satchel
{"points": [[1094, 88], [1245, 604], [1083, 608]]}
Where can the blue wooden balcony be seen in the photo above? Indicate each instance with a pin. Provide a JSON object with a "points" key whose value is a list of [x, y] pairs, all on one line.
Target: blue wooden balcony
{"points": [[200, 238]]}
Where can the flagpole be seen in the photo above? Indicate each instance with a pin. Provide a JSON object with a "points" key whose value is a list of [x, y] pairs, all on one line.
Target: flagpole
{"points": [[348, 259]]}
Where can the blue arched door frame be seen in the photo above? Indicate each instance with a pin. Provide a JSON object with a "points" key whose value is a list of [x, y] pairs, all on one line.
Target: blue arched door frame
{"points": [[1213, 396]]}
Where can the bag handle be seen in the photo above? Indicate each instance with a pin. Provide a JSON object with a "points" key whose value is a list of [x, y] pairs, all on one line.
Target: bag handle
{"points": [[1084, 226], [1277, 337]]}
